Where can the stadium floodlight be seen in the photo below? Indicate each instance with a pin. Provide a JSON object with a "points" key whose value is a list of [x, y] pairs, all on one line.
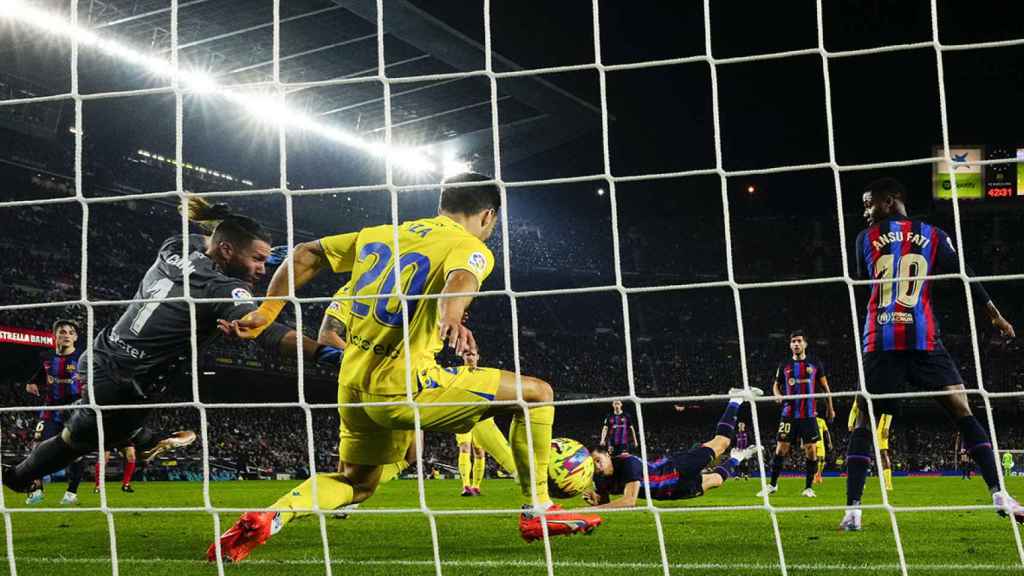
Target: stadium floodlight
{"points": [[455, 167], [267, 108]]}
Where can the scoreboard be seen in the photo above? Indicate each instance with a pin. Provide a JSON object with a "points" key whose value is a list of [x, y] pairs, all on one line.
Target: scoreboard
{"points": [[1003, 181]]}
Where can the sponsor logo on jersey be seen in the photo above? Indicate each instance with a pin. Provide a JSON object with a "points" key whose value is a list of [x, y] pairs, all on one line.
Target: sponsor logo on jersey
{"points": [[242, 295], [478, 262], [895, 318]]}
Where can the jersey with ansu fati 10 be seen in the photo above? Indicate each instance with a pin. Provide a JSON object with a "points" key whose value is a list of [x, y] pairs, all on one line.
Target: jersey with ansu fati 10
{"points": [[902, 252], [150, 336]]}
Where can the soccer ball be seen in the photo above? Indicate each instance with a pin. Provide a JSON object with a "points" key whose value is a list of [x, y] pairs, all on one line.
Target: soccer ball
{"points": [[570, 470]]}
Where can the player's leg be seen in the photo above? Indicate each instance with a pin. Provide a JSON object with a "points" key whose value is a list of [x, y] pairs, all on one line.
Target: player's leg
{"points": [[354, 484], [884, 421], [886, 467], [542, 418], [75, 472], [77, 438], [781, 451], [810, 466], [725, 430], [819, 449], [810, 436], [129, 468], [105, 456], [488, 436], [465, 443], [479, 466]]}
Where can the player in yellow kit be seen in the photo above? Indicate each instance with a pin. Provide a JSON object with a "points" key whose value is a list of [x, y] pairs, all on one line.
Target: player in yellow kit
{"points": [[485, 438], [444, 255], [884, 424], [824, 442]]}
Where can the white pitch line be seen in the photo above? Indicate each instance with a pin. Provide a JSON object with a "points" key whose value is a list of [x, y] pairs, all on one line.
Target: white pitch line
{"points": [[988, 568]]}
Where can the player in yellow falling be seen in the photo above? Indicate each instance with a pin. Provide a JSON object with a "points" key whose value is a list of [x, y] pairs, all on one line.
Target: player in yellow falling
{"points": [[882, 433], [824, 442], [444, 255]]}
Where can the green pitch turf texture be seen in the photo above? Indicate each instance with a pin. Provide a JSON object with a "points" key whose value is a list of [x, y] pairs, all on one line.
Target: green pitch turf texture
{"points": [[726, 543]]}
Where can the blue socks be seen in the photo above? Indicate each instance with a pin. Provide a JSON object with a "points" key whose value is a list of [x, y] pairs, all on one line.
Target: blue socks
{"points": [[976, 442], [858, 458], [727, 424]]}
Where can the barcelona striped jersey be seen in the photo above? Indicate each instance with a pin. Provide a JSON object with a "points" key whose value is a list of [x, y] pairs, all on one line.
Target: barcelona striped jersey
{"points": [[62, 385], [902, 252], [618, 429], [662, 472], [797, 377]]}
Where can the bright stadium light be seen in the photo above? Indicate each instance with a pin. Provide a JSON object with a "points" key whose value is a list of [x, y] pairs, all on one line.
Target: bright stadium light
{"points": [[455, 167], [266, 108]]}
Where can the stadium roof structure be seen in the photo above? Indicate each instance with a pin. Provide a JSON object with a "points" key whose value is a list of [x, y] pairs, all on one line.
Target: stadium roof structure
{"points": [[323, 40]]}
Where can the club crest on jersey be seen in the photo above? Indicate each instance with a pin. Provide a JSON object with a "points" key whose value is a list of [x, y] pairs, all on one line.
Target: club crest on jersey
{"points": [[792, 381], [242, 295], [478, 262]]}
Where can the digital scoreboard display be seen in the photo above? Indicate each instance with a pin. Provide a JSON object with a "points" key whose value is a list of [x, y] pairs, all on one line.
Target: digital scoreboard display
{"points": [[1000, 181], [969, 182]]}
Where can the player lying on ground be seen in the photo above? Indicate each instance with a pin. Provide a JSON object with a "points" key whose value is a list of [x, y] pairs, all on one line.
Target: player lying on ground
{"points": [[799, 375], [441, 255], [60, 386], [673, 477], [901, 336], [133, 361]]}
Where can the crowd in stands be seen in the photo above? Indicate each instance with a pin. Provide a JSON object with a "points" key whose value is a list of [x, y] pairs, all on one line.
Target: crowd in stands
{"points": [[682, 342]]}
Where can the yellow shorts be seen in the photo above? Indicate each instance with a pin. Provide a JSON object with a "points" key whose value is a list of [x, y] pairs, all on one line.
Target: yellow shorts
{"points": [[377, 435], [884, 422], [464, 438], [820, 449]]}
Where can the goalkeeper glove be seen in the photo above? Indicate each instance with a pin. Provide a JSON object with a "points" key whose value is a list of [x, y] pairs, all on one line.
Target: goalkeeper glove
{"points": [[329, 355]]}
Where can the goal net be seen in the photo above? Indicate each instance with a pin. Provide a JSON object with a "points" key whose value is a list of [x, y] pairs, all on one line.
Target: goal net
{"points": [[411, 168]]}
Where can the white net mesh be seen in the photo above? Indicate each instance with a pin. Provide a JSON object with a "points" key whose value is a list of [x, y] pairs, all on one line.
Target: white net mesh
{"points": [[182, 82]]}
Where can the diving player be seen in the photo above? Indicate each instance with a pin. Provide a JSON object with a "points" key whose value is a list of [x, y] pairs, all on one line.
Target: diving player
{"points": [[901, 341], [436, 256], [131, 359], [673, 477]]}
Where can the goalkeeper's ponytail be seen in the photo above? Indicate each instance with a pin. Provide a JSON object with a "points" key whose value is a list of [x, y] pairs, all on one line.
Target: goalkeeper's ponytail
{"points": [[220, 222]]}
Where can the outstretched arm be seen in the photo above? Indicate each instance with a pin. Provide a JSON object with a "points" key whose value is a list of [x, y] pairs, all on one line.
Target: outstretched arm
{"points": [[307, 261], [628, 499]]}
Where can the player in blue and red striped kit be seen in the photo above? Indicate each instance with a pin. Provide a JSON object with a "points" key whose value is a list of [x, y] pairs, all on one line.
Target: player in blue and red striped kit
{"points": [[901, 335], [798, 375], [618, 433], [672, 477], [58, 384]]}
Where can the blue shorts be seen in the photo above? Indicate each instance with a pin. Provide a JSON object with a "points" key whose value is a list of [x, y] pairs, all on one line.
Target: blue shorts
{"points": [[888, 372], [690, 465]]}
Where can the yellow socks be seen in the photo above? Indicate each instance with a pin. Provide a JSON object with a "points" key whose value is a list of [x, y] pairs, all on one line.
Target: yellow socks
{"points": [[541, 420], [488, 436], [887, 475], [821, 466], [478, 470], [389, 472], [465, 466], [332, 492]]}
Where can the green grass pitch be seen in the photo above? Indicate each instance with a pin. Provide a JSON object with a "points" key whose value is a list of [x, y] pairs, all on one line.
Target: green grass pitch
{"points": [[726, 543]]}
